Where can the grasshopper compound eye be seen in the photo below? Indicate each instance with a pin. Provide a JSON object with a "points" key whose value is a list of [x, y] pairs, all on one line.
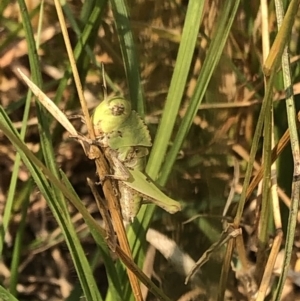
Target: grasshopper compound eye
{"points": [[117, 110], [119, 106]]}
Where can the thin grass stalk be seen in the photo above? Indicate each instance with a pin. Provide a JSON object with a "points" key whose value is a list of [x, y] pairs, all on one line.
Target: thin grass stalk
{"points": [[18, 242], [268, 273], [225, 270], [14, 177], [45, 137], [40, 24], [291, 113], [266, 204], [269, 179], [258, 130], [19, 245]]}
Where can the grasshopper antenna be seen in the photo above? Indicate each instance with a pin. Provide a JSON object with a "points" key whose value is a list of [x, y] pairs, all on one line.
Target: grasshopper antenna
{"points": [[104, 81]]}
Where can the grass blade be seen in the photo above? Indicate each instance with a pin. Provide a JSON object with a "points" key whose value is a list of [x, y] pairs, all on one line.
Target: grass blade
{"points": [[129, 54]]}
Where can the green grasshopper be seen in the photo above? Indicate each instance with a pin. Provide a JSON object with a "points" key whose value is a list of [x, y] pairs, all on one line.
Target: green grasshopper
{"points": [[126, 139]]}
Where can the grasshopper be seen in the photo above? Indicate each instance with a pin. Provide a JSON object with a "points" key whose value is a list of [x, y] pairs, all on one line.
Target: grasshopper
{"points": [[126, 139]]}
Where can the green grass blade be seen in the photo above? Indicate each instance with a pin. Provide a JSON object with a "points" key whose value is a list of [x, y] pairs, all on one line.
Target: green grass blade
{"points": [[83, 40], [18, 244], [129, 53], [177, 86], [185, 53], [91, 15], [213, 55], [46, 143], [58, 207], [15, 29], [291, 113], [114, 284], [9, 204], [13, 182], [5, 295]]}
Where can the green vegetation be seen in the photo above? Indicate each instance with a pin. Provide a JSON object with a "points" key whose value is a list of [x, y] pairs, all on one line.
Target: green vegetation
{"points": [[210, 80]]}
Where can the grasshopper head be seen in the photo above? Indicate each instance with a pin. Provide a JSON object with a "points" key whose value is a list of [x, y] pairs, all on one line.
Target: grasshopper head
{"points": [[110, 114]]}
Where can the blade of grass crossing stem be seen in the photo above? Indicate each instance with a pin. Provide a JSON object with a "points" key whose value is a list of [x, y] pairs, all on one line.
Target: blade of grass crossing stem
{"points": [[129, 53], [254, 146], [45, 137], [76, 76], [44, 133], [43, 126], [59, 209]]}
